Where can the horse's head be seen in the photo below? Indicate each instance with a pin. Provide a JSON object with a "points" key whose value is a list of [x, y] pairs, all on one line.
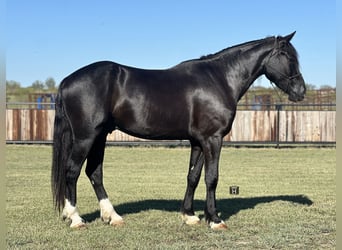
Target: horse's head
{"points": [[282, 68]]}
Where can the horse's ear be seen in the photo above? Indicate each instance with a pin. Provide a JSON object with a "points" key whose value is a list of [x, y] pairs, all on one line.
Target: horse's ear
{"points": [[289, 37], [283, 41]]}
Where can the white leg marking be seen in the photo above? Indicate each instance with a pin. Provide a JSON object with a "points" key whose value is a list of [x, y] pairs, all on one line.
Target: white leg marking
{"points": [[70, 212], [190, 219], [108, 213], [218, 226]]}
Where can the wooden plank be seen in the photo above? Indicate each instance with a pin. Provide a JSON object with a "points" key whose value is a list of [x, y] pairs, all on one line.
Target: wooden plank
{"points": [[50, 123], [9, 125], [25, 124], [328, 126], [16, 125]]}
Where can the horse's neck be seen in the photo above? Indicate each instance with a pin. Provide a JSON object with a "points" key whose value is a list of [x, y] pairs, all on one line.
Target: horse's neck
{"points": [[246, 69]]}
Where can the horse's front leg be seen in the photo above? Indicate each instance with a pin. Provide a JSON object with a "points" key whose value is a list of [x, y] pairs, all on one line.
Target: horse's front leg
{"points": [[195, 168], [212, 149]]}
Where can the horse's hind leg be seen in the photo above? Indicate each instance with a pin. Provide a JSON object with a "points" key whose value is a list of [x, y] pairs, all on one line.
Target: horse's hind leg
{"points": [[95, 175], [195, 168], [79, 152]]}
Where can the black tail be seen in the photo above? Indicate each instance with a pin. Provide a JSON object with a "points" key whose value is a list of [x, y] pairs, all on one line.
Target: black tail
{"points": [[62, 144]]}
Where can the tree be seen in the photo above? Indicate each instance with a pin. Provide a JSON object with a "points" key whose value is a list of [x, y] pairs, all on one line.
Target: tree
{"points": [[326, 87], [310, 86], [12, 85], [50, 83], [38, 85]]}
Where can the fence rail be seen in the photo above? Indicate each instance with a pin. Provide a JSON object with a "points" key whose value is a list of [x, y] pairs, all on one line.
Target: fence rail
{"points": [[283, 125]]}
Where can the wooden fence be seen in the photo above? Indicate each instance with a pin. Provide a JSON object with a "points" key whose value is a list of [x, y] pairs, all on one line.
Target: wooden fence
{"points": [[249, 126]]}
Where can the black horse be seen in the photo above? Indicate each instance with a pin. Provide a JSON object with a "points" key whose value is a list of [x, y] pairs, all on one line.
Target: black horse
{"points": [[195, 100]]}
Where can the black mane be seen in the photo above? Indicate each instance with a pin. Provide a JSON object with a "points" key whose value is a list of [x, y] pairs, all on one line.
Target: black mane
{"points": [[232, 51], [236, 48]]}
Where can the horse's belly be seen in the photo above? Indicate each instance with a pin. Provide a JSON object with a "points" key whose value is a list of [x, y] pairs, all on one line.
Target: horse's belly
{"points": [[157, 130]]}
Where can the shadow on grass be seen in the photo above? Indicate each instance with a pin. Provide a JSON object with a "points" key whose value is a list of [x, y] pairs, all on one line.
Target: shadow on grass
{"points": [[227, 207]]}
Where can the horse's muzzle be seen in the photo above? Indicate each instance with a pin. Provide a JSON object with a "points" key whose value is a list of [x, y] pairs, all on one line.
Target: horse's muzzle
{"points": [[296, 98], [297, 94]]}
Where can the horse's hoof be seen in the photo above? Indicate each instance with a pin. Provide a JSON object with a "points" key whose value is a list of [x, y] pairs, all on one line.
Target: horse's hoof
{"points": [[117, 223], [218, 226], [190, 219], [105, 220], [80, 225]]}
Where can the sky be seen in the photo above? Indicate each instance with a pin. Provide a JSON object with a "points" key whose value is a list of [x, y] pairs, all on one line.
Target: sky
{"points": [[55, 38]]}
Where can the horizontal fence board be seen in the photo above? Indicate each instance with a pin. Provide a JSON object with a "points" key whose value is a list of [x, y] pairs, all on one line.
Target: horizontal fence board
{"points": [[248, 126]]}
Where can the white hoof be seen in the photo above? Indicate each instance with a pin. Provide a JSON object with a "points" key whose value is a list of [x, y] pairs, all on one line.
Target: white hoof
{"points": [[117, 222], [218, 226], [113, 219], [108, 214], [190, 219], [78, 225], [70, 213]]}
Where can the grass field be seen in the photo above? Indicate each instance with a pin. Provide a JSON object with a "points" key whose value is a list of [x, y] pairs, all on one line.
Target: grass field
{"points": [[287, 200]]}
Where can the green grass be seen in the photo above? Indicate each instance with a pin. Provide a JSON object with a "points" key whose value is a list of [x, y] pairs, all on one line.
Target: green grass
{"points": [[287, 201]]}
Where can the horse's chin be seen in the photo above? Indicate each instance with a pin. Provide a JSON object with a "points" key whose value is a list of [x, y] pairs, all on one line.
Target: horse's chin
{"points": [[295, 98]]}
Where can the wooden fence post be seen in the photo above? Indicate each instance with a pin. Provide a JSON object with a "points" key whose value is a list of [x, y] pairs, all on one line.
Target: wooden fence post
{"points": [[278, 108]]}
